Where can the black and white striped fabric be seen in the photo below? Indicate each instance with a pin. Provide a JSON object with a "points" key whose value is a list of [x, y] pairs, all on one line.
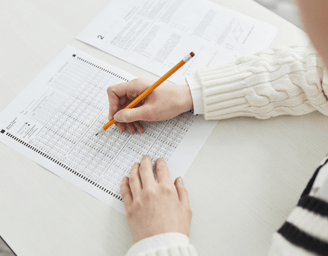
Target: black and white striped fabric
{"points": [[307, 225]]}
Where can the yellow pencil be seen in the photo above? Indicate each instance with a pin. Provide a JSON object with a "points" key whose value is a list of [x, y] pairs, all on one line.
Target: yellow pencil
{"points": [[151, 88]]}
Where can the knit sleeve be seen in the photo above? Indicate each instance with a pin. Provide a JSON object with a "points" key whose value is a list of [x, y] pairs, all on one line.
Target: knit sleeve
{"points": [[166, 244], [273, 82], [174, 250]]}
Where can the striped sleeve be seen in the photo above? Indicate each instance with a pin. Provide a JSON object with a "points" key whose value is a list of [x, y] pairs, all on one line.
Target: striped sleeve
{"points": [[305, 232]]}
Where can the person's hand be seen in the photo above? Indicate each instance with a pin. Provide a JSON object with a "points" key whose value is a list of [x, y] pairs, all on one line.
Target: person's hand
{"points": [[165, 102], [154, 207]]}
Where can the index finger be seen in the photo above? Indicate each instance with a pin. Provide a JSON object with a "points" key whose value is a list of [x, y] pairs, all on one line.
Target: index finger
{"points": [[130, 89], [162, 171], [134, 180], [146, 172], [113, 99]]}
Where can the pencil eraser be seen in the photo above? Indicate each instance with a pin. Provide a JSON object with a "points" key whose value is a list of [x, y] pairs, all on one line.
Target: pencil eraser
{"points": [[192, 54]]}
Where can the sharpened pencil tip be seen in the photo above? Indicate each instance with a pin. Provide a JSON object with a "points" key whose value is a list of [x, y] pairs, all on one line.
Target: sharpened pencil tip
{"points": [[102, 130]]}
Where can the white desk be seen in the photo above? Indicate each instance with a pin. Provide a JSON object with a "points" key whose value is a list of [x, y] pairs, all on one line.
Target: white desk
{"points": [[242, 185]]}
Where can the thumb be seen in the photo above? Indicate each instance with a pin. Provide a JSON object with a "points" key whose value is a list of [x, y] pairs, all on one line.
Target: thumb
{"points": [[182, 191], [133, 114]]}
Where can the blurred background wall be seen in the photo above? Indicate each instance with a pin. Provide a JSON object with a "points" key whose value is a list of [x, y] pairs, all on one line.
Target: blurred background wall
{"points": [[287, 9]]}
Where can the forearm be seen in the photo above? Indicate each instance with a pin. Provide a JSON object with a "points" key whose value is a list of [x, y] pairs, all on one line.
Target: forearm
{"points": [[273, 82]]}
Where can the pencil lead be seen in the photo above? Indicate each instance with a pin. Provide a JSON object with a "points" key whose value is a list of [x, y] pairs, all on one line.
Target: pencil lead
{"points": [[102, 130]]}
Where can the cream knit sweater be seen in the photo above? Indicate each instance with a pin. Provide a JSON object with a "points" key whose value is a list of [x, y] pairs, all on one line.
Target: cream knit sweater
{"points": [[278, 81]]}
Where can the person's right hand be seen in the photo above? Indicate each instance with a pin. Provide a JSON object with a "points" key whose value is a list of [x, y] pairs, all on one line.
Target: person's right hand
{"points": [[165, 102]]}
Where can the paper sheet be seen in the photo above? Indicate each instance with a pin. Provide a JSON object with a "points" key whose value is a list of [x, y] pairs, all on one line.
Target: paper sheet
{"points": [[157, 34], [55, 119]]}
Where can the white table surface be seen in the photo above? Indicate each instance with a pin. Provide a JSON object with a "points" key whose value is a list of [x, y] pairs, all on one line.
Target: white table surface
{"points": [[242, 185]]}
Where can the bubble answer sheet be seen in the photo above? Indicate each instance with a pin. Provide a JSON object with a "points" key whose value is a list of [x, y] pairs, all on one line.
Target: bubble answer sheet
{"points": [[55, 119]]}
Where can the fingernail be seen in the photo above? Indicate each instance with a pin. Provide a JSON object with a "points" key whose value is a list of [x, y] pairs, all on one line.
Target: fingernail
{"points": [[118, 117], [180, 180], [136, 163], [146, 156]]}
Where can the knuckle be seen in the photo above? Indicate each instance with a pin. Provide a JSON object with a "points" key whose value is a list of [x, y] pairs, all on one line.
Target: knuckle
{"points": [[142, 168], [149, 194], [129, 212], [138, 80], [113, 108], [137, 204], [149, 191], [110, 89], [167, 189], [133, 179]]}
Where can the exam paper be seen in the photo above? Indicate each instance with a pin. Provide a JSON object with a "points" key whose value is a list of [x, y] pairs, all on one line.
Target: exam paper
{"points": [[55, 119], [155, 35]]}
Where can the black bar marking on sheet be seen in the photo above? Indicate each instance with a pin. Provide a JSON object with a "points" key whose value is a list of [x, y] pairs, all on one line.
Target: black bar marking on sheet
{"points": [[64, 166], [105, 70]]}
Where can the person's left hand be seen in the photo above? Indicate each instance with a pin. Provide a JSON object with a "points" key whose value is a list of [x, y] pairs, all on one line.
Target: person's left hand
{"points": [[155, 207]]}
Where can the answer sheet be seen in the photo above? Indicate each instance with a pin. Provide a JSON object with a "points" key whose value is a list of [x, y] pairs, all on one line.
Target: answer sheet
{"points": [[155, 35], [55, 119]]}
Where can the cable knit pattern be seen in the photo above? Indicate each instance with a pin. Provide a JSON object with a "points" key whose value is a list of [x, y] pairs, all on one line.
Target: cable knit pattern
{"points": [[273, 82], [188, 250]]}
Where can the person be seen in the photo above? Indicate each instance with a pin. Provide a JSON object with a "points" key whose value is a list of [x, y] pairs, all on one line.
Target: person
{"points": [[280, 81]]}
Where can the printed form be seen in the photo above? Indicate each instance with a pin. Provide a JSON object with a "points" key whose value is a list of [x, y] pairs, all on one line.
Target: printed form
{"points": [[154, 34], [55, 119]]}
